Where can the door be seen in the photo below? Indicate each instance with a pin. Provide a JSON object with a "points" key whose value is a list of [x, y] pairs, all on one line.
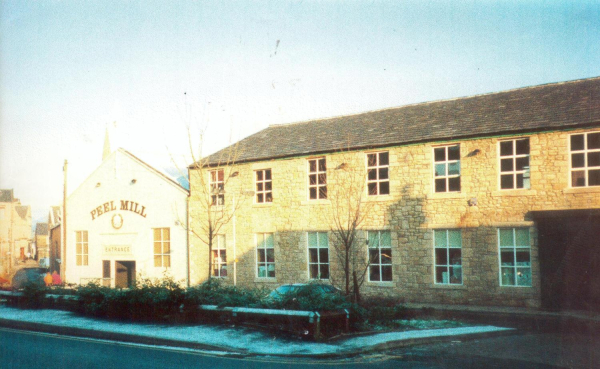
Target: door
{"points": [[124, 274]]}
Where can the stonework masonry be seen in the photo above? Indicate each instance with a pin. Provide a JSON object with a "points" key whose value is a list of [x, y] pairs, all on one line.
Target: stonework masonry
{"points": [[411, 212]]}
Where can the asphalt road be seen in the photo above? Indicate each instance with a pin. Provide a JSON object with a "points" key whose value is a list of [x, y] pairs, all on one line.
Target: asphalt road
{"points": [[20, 349]]}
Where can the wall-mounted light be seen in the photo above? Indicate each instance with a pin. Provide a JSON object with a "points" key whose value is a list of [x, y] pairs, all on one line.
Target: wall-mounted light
{"points": [[234, 174], [133, 181], [342, 166], [472, 201], [98, 184]]}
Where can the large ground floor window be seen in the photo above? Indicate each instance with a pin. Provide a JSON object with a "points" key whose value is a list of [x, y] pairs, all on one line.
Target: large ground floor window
{"points": [[515, 256], [318, 255], [380, 256], [265, 255], [448, 256], [219, 255]]}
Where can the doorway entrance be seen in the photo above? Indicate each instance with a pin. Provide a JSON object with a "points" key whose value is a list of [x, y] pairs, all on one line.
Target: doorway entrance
{"points": [[569, 254], [124, 274]]}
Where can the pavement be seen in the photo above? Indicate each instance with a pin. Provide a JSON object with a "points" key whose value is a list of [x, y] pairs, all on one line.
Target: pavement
{"points": [[232, 340]]}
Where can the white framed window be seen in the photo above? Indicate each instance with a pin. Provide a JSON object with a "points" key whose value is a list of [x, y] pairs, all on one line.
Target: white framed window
{"points": [[219, 256], [162, 247], [446, 161], [585, 159], [515, 256], [264, 186], [447, 245], [378, 176], [81, 248], [318, 255], [216, 183], [380, 256], [514, 164], [265, 255], [317, 179]]}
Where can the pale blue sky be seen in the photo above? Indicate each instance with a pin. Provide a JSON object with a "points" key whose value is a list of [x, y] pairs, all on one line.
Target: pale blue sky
{"points": [[70, 68]]}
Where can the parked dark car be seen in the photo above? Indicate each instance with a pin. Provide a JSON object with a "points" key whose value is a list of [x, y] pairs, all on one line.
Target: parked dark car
{"points": [[281, 291], [28, 275]]}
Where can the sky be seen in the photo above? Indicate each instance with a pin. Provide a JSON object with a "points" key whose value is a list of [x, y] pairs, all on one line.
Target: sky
{"points": [[147, 70]]}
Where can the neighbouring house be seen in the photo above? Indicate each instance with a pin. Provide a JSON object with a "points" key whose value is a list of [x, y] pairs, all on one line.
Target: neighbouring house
{"points": [[15, 231], [485, 200], [55, 237], [124, 221], [41, 241]]}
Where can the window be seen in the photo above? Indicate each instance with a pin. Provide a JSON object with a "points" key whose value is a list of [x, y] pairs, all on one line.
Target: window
{"points": [[264, 186], [162, 247], [318, 255], [217, 187], [81, 247], [265, 255], [317, 179], [447, 168], [219, 255], [380, 256], [515, 256], [585, 159], [378, 178], [448, 256], [514, 164]]}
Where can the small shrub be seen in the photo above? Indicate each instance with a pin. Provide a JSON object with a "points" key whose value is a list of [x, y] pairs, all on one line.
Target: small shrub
{"points": [[33, 296], [214, 292], [309, 298]]}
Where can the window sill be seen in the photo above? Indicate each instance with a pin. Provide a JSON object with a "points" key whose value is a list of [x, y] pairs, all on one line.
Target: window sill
{"points": [[446, 195], [515, 193], [449, 286], [381, 284], [501, 286], [594, 189]]}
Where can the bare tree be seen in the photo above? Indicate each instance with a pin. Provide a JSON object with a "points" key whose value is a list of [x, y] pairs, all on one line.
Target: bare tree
{"points": [[349, 208]]}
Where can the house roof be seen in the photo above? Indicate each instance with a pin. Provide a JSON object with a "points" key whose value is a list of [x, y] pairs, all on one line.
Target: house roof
{"points": [[22, 211], [41, 229], [545, 107], [6, 195], [54, 217]]}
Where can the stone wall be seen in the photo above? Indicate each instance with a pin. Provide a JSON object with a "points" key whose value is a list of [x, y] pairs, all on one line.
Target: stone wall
{"points": [[411, 212]]}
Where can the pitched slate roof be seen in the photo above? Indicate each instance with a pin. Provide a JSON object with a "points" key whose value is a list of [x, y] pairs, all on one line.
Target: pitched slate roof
{"points": [[6, 196], [41, 229], [552, 106]]}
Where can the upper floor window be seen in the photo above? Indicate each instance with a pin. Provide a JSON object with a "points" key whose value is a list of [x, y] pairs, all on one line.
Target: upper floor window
{"points": [[380, 256], [448, 256], [81, 248], [585, 159], [264, 186], [162, 247], [219, 256], [515, 256], [318, 255], [447, 168], [216, 183], [317, 179], [514, 164], [378, 176]]}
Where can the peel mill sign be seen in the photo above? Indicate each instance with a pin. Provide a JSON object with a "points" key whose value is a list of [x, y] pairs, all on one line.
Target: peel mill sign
{"points": [[109, 206]]}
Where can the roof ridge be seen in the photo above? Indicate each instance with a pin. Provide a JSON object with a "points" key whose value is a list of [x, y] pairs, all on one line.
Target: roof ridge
{"points": [[432, 102]]}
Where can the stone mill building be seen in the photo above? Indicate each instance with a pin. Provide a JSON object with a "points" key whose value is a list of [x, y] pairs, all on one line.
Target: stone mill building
{"points": [[486, 200]]}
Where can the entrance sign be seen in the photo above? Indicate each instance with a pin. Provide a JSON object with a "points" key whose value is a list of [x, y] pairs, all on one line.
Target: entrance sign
{"points": [[117, 250]]}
